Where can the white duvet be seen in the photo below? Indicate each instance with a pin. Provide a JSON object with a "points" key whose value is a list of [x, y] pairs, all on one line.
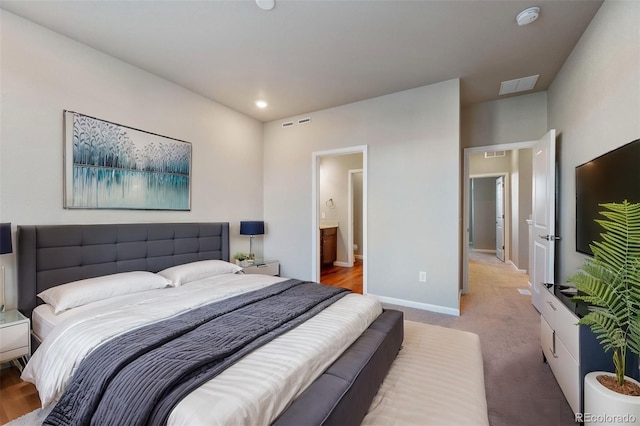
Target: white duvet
{"points": [[253, 391]]}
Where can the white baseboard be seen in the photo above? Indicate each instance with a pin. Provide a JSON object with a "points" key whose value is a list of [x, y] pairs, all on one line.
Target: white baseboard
{"points": [[359, 256], [522, 271], [342, 264], [484, 251], [418, 305]]}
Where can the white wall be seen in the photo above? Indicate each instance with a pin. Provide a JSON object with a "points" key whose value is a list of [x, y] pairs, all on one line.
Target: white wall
{"points": [[518, 119], [594, 104], [43, 73], [413, 190]]}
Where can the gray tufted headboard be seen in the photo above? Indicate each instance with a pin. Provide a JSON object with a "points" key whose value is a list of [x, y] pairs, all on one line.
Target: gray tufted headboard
{"points": [[50, 255]]}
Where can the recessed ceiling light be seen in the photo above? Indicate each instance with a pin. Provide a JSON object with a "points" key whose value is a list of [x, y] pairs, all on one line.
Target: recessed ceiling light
{"points": [[527, 16], [266, 4], [261, 104]]}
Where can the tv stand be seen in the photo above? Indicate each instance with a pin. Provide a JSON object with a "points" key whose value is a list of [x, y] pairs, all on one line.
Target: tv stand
{"points": [[572, 351]]}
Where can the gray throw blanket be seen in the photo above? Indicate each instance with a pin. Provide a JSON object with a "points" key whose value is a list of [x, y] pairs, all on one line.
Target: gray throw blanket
{"points": [[137, 378]]}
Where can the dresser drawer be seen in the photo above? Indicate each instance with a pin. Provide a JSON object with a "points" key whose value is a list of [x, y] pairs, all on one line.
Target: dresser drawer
{"points": [[546, 339], [14, 341], [567, 330], [567, 373], [549, 307]]}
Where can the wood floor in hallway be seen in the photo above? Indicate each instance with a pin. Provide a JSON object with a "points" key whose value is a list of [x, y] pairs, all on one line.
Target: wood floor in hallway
{"points": [[341, 276]]}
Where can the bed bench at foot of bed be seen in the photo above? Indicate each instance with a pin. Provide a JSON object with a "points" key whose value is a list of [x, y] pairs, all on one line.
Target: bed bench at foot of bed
{"points": [[343, 393]]}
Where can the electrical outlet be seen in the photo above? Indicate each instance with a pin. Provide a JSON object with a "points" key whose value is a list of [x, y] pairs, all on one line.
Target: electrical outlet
{"points": [[422, 277]]}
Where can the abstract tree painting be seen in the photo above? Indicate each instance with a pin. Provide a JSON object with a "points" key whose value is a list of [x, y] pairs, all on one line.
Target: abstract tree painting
{"points": [[111, 166]]}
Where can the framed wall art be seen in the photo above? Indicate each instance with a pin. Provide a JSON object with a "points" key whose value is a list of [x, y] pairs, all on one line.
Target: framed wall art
{"points": [[111, 166]]}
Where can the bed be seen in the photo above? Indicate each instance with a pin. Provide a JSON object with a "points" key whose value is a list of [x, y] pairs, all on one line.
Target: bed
{"points": [[346, 342]]}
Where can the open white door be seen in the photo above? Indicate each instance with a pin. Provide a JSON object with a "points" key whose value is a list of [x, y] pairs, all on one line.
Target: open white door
{"points": [[543, 215], [500, 218]]}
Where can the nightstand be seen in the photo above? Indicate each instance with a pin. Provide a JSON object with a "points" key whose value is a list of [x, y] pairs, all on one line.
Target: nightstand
{"points": [[15, 339], [264, 267]]}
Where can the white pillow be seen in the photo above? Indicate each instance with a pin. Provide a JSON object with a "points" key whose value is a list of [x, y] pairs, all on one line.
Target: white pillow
{"points": [[78, 293], [182, 274]]}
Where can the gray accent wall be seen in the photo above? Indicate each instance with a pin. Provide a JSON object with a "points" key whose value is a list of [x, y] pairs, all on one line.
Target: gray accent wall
{"points": [[413, 142]]}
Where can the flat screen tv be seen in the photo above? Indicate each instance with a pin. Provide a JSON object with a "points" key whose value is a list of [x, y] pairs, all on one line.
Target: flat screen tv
{"points": [[610, 178]]}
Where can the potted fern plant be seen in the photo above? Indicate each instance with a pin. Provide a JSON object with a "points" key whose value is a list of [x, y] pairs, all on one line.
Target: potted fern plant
{"points": [[610, 283]]}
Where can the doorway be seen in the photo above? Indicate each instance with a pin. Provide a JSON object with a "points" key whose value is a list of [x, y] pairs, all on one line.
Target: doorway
{"points": [[488, 222], [517, 201], [339, 216]]}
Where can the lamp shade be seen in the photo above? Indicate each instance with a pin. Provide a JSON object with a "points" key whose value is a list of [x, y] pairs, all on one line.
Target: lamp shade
{"points": [[5, 238], [252, 227]]}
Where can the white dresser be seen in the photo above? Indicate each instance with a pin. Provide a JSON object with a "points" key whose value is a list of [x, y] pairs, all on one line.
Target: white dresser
{"points": [[560, 337], [572, 350]]}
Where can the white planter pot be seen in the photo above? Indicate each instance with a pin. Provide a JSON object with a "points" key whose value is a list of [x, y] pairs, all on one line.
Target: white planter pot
{"points": [[603, 406]]}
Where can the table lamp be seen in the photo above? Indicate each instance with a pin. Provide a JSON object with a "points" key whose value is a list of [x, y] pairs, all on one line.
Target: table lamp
{"points": [[6, 247], [251, 228]]}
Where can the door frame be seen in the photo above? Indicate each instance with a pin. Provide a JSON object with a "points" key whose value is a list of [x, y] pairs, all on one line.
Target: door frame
{"points": [[503, 201], [350, 215], [465, 200], [507, 202], [315, 209]]}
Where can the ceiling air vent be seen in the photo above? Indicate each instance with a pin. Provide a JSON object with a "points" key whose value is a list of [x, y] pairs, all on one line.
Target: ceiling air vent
{"points": [[304, 120], [494, 154], [518, 85], [287, 124]]}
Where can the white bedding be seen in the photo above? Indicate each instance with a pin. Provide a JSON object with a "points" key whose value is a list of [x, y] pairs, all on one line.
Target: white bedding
{"points": [[43, 320], [253, 391]]}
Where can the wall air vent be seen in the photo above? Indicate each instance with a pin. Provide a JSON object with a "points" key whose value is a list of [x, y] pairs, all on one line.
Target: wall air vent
{"points": [[287, 124], [304, 120], [494, 154]]}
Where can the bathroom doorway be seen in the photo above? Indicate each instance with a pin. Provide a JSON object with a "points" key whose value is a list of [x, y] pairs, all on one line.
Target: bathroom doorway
{"points": [[339, 218]]}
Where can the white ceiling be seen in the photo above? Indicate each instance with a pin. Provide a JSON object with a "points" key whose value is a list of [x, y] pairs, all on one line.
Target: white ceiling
{"points": [[305, 56]]}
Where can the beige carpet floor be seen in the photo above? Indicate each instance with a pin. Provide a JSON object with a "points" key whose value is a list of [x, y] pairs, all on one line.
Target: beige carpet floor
{"points": [[521, 389]]}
